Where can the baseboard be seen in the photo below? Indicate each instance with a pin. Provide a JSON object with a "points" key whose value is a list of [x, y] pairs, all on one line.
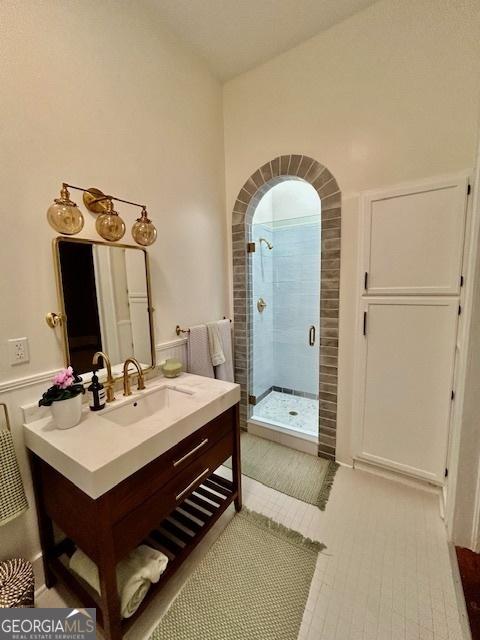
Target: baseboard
{"points": [[347, 465], [37, 563], [396, 476]]}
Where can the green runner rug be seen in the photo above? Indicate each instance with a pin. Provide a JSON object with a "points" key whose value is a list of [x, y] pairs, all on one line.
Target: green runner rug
{"points": [[253, 584], [299, 475]]}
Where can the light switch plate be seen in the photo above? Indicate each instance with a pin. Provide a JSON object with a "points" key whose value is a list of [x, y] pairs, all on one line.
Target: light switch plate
{"points": [[18, 351]]}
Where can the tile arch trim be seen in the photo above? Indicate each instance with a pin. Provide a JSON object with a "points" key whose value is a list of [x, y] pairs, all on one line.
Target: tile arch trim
{"points": [[271, 173]]}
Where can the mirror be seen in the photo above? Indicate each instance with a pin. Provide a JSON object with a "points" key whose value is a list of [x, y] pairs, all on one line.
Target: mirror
{"points": [[106, 303]]}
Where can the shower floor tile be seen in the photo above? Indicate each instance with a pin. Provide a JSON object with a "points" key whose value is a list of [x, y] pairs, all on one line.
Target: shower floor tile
{"points": [[277, 408]]}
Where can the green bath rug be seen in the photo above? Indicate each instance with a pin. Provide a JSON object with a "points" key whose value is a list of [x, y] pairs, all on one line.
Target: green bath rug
{"points": [[253, 584], [299, 475]]}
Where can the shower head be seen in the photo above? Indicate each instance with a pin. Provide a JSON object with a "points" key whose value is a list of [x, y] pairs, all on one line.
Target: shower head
{"points": [[269, 244]]}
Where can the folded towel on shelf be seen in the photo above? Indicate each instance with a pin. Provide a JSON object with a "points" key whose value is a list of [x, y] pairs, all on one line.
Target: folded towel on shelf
{"points": [[224, 371], [135, 573], [199, 360], [214, 343], [12, 494]]}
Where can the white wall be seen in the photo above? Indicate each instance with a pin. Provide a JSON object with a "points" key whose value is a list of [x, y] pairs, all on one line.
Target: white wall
{"points": [[97, 94], [387, 96]]}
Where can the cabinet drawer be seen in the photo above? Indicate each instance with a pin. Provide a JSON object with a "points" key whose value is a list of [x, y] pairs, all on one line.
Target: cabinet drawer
{"points": [[134, 527], [148, 480]]}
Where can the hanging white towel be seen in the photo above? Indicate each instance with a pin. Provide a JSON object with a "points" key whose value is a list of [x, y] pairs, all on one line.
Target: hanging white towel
{"points": [[199, 360], [135, 574], [216, 351], [224, 371]]}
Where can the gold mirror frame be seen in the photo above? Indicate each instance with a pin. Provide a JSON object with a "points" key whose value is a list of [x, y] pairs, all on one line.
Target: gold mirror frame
{"points": [[63, 316]]}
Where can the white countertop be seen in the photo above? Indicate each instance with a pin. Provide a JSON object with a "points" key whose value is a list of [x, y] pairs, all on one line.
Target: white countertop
{"points": [[97, 454]]}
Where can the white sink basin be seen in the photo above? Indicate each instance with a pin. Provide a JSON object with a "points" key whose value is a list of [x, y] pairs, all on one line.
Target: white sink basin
{"points": [[158, 402], [109, 445]]}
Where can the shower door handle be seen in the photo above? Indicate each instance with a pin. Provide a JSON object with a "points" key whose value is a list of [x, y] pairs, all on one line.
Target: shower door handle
{"points": [[311, 335]]}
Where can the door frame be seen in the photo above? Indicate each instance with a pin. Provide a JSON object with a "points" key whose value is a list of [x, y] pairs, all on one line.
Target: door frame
{"points": [[471, 258], [465, 299], [281, 168]]}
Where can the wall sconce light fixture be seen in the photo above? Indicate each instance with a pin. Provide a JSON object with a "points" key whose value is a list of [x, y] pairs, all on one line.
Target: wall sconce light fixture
{"points": [[143, 230], [109, 224], [65, 217]]}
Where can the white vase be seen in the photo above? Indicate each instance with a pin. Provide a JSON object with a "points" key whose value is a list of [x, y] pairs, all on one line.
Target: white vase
{"points": [[67, 413]]}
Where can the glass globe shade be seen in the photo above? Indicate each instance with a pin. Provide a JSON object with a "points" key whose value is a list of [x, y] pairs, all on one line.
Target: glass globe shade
{"points": [[110, 226], [144, 231], [64, 215]]}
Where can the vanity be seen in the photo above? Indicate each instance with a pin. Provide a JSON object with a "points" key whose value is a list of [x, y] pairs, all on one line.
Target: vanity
{"points": [[142, 470]]}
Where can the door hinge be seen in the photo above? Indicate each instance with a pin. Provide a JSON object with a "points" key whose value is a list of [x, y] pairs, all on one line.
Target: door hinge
{"points": [[365, 281], [452, 395], [252, 399], [364, 323], [461, 281], [446, 473], [250, 247], [459, 309], [469, 189]]}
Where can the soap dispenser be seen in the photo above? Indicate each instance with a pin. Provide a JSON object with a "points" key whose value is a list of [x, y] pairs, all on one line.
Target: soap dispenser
{"points": [[96, 394]]}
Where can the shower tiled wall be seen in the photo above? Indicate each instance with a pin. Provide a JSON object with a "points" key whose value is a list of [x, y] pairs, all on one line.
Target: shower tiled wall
{"points": [[288, 278]]}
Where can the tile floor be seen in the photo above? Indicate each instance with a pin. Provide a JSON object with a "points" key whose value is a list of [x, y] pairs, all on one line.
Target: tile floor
{"points": [[276, 407], [385, 574]]}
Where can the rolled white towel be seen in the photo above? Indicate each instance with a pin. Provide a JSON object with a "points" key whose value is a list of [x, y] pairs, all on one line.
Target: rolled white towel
{"points": [[135, 573]]}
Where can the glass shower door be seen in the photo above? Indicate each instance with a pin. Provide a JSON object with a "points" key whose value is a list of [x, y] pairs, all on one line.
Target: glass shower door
{"points": [[285, 334]]}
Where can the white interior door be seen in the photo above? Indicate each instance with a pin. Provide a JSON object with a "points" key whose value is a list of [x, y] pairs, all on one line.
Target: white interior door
{"points": [[411, 264], [413, 243], [407, 376]]}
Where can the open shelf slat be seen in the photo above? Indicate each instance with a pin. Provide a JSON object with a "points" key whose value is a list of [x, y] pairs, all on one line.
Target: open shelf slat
{"points": [[194, 511], [228, 484], [187, 522], [179, 533], [204, 504], [210, 484]]}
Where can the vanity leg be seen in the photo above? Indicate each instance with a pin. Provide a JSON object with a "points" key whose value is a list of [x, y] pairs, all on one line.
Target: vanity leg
{"points": [[45, 526], [107, 570], [236, 460]]}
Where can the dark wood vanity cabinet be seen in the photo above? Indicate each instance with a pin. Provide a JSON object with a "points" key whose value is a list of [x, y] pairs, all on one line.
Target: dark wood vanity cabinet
{"points": [[179, 487]]}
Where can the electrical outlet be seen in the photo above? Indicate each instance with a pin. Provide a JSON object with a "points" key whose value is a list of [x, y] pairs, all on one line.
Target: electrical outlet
{"points": [[18, 351]]}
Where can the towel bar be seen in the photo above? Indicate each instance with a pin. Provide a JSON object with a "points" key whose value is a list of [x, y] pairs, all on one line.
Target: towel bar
{"points": [[179, 330]]}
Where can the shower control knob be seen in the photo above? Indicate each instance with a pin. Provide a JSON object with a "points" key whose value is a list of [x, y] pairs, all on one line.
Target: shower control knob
{"points": [[261, 305]]}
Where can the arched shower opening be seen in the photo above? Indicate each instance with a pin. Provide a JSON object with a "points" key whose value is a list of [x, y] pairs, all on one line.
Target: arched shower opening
{"points": [[286, 228]]}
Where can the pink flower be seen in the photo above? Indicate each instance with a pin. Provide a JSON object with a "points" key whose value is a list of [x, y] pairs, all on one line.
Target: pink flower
{"points": [[64, 379]]}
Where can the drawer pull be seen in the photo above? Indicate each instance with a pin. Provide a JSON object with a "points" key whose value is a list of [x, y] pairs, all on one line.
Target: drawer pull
{"points": [[190, 453], [187, 489]]}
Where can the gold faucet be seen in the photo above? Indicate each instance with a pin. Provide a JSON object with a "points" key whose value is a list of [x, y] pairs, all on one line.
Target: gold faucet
{"points": [[110, 380], [126, 380]]}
